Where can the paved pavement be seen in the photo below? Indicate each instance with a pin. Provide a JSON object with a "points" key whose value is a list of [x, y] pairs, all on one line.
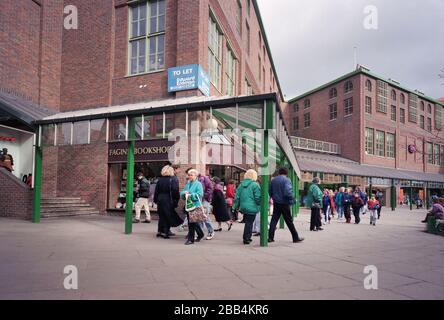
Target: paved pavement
{"points": [[328, 265]]}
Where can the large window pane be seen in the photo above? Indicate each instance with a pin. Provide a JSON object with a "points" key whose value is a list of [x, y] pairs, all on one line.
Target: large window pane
{"points": [[64, 134], [251, 116], [48, 134], [80, 132], [117, 129], [98, 131], [153, 127], [175, 121]]}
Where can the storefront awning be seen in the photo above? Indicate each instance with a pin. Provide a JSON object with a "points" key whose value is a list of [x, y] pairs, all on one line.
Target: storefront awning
{"points": [[316, 162], [19, 112]]}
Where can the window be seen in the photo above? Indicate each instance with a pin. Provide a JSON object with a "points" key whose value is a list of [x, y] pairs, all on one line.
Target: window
{"points": [[393, 95], [214, 53], [422, 122], [333, 111], [380, 143], [429, 124], [422, 106], [80, 132], [393, 113], [117, 130], [442, 156], [307, 120], [402, 98], [368, 85], [259, 69], [98, 131], [402, 115], [382, 102], [436, 157], [296, 107], [333, 93], [231, 73], [296, 123], [369, 145], [247, 38], [413, 108], [430, 153], [260, 40], [391, 145], [429, 108], [249, 7], [438, 117], [307, 103], [348, 87], [348, 106], [147, 37], [368, 105], [64, 134], [239, 17]]}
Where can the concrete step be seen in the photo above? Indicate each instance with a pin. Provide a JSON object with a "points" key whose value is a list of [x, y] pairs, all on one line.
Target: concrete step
{"points": [[69, 214], [62, 200], [70, 209], [64, 205]]}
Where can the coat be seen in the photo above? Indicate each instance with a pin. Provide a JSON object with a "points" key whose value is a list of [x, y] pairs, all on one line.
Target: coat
{"points": [[144, 188], [194, 188], [166, 196], [207, 186], [314, 195], [220, 209], [248, 197], [281, 191]]}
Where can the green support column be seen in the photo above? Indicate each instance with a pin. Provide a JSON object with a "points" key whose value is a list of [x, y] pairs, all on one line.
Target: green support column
{"points": [[411, 196], [370, 189], [130, 177], [37, 181], [298, 196], [393, 200], [265, 174], [427, 197]]}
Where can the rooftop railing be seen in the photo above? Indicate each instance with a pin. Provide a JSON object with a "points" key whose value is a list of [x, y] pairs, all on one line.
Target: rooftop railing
{"points": [[315, 145]]}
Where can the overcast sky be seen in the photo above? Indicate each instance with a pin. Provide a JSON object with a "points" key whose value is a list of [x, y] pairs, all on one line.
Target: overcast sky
{"points": [[312, 41]]}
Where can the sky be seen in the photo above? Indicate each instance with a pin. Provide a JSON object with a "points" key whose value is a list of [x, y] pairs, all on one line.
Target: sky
{"points": [[313, 41]]}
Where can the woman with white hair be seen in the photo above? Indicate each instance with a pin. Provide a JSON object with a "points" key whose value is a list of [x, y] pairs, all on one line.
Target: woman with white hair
{"points": [[248, 201], [166, 196]]}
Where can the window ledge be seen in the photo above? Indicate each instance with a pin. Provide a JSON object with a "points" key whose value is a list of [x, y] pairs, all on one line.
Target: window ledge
{"points": [[142, 74]]}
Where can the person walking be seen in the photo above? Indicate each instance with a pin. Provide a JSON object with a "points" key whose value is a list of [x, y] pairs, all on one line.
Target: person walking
{"points": [[339, 202], [347, 201], [357, 205], [142, 203], [326, 206], [380, 197], [314, 202], [230, 194], [281, 191], [194, 190], [219, 204], [364, 199], [166, 197], [208, 187], [248, 200], [373, 206]]}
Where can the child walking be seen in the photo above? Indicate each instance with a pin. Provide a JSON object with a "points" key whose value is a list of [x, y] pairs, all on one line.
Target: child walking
{"points": [[373, 206]]}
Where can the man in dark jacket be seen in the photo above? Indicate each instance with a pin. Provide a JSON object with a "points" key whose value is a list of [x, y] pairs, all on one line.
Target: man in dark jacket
{"points": [[281, 192], [143, 196]]}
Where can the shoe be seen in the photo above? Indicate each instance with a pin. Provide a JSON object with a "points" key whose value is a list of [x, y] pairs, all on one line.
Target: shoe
{"points": [[189, 243], [166, 236], [229, 227], [218, 230], [246, 243], [160, 235], [299, 240], [424, 221], [256, 234], [210, 236], [147, 221], [136, 221], [170, 234], [320, 229], [270, 240], [198, 239]]}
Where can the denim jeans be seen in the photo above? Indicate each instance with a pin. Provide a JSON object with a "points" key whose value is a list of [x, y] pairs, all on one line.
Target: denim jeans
{"points": [[208, 224], [340, 212]]}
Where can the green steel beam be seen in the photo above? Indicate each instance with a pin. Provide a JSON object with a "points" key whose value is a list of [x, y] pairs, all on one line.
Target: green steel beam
{"points": [[130, 177], [427, 198], [411, 196], [298, 195], [393, 196], [36, 214]]}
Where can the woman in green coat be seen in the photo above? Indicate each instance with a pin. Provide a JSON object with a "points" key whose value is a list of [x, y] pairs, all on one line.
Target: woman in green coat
{"points": [[314, 201], [248, 201]]}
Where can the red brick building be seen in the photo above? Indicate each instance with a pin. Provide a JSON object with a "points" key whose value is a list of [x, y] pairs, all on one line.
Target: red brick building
{"points": [[375, 121], [118, 53]]}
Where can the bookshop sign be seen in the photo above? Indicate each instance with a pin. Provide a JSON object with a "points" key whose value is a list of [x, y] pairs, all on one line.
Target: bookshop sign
{"points": [[145, 151]]}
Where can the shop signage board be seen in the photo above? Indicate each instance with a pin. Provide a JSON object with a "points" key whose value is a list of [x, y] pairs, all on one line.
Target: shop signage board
{"points": [[188, 77], [145, 151]]}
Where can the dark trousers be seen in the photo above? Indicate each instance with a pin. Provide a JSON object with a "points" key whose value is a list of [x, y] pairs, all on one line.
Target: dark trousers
{"points": [[356, 214], [248, 228], [315, 220], [282, 209], [347, 213], [379, 212], [194, 228]]}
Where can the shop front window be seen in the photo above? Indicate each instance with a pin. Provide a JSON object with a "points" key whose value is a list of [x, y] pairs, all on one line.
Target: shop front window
{"points": [[117, 129], [80, 132], [48, 134], [98, 131], [64, 134]]}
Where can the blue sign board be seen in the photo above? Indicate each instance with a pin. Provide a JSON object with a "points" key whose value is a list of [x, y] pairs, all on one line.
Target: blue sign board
{"points": [[188, 77]]}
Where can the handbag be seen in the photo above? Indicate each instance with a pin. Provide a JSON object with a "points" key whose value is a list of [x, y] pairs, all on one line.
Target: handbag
{"points": [[189, 204], [198, 213]]}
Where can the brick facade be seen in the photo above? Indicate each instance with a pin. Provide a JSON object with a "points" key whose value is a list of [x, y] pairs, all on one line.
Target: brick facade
{"points": [[349, 131], [16, 197]]}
